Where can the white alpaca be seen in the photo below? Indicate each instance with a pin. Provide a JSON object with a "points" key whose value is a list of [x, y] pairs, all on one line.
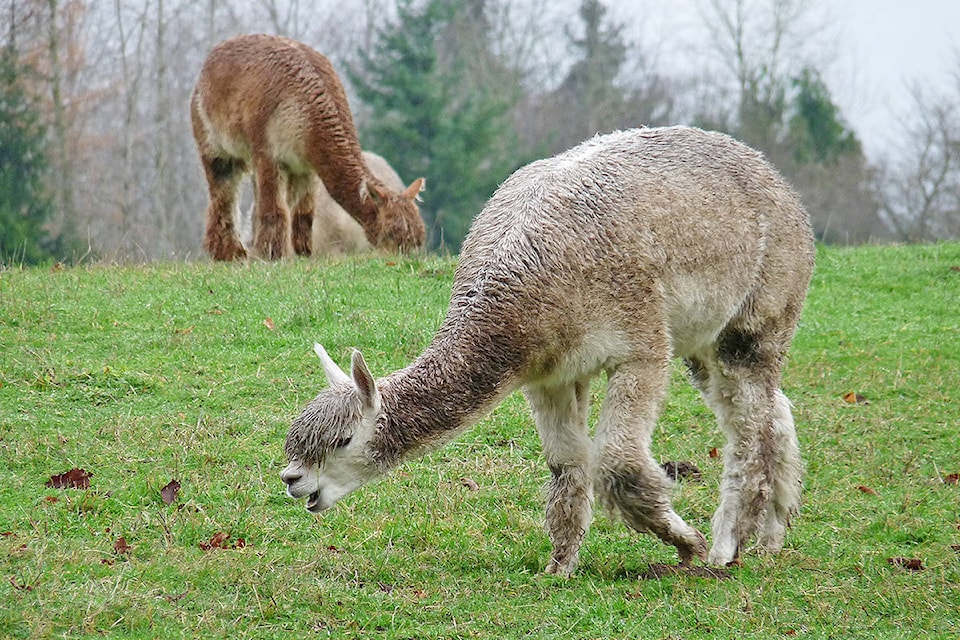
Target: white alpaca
{"points": [[614, 257]]}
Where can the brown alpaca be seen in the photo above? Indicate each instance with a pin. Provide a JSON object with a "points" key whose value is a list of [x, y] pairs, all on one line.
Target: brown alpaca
{"points": [[273, 106], [614, 257], [335, 232]]}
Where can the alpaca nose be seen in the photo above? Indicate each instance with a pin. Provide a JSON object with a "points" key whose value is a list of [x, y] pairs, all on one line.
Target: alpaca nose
{"points": [[290, 476]]}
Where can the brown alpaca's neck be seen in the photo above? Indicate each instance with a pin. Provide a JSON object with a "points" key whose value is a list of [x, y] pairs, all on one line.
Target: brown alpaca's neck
{"points": [[447, 390], [350, 185]]}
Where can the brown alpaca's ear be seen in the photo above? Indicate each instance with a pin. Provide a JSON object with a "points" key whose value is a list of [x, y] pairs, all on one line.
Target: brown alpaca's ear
{"points": [[375, 191], [413, 191]]}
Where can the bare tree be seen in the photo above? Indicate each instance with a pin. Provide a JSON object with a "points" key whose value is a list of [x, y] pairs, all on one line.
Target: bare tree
{"points": [[921, 187]]}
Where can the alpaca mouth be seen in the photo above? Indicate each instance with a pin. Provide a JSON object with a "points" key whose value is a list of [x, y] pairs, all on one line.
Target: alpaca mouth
{"points": [[313, 503]]}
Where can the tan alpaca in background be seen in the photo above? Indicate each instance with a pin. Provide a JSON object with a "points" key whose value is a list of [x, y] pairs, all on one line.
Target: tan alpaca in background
{"points": [[615, 257], [273, 106]]}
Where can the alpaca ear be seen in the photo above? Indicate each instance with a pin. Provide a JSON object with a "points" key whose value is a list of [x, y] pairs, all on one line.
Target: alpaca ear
{"points": [[365, 384], [335, 374], [413, 191], [371, 190]]}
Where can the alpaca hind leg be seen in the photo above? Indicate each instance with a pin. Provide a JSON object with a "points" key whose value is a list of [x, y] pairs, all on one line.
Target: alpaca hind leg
{"points": [[742, 396], [561, 417], [628, 479], [272, 232], [302, 198], [221, 239], [787, 478]]}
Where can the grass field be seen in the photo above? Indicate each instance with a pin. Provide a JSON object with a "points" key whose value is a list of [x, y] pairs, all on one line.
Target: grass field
{"points": [[141, 375]]}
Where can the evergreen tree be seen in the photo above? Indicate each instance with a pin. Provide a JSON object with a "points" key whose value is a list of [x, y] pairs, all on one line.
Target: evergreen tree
{"points": [[816, 130], [431, 113], [24, 204]]}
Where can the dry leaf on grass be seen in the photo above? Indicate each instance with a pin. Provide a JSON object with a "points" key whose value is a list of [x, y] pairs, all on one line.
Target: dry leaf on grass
{"points": [[714, 453], [913, 564], [169, 492], [73, 479], [953, 478], [470, 484], [222, 541], [122, 547], [867, 490], [855, 398], [682, 470], [268, 323]]}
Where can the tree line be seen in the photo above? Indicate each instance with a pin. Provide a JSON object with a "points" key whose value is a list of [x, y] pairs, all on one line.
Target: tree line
{"points": [[97, 159]]}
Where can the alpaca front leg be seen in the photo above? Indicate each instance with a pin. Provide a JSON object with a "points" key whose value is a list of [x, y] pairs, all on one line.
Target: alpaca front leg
{"points": [[302, 198], [629, 480], [561, 417], [568, 517]]}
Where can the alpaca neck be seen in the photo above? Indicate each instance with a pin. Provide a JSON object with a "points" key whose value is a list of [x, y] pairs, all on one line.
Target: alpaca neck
{"points": [[347, 182], [445, 391]]}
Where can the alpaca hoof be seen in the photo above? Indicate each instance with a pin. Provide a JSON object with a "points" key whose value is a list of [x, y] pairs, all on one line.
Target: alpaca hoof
{"points": [[224, 249], [697, 549], [564, 570]]}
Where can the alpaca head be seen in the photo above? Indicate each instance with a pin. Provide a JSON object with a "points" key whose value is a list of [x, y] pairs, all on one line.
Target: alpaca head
{"points": [[399, 225], [327, 444]]}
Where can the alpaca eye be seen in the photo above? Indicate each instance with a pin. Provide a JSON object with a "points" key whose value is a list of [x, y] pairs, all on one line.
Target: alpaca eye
{"points": [[342, 442]]}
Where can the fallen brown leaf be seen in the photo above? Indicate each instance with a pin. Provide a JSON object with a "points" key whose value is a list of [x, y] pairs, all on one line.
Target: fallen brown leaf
{"points": [[73, 479], [222, 541], [175, 597], [682, 470], [169, 492], [714, 453], [122, 547], [953, 478], [867, 490], [20, 587], [268, 323], [855, 398], [913, 564], [470, 484]]}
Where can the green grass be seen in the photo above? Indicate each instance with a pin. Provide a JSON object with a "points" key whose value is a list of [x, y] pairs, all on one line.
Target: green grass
{"points": [[145, 374]]}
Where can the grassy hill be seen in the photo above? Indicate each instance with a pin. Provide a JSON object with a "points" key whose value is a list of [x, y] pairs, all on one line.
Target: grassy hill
{"points": [[192, 372]]}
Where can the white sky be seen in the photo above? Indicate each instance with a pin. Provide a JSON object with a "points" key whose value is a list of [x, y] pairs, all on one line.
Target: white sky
{"points": [[878, 50]]}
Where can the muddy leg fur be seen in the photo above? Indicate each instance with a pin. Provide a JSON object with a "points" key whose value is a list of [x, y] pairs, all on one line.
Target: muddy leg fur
{"points": [[301, 197], [221, 239], [561, 416], [760, 488], [629, 482], [272, 229]]}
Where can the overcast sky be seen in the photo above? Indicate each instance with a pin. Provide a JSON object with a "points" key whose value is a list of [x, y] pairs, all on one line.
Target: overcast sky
{"points": [[879, 49]]}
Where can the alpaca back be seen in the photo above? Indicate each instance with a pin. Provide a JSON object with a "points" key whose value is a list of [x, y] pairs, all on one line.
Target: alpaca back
{"points": [[673, 227], [265, 94]]}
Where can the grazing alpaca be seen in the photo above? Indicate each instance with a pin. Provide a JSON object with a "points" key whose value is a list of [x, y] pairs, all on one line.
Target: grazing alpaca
{"points": [[334, 231], [276, 107], [613, 257]]}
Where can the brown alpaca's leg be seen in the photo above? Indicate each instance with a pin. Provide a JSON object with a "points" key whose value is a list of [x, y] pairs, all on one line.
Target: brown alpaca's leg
{"points": [[221, 239], [301, 194], [561, 417], [271, 238]]}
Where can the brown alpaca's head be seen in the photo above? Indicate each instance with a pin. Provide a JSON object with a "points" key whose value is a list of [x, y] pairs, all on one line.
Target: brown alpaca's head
{"points": [[399, 225]]}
